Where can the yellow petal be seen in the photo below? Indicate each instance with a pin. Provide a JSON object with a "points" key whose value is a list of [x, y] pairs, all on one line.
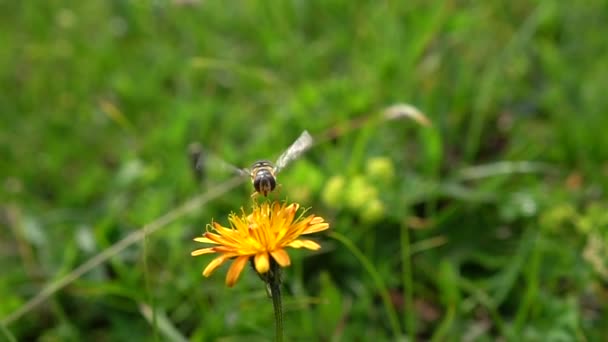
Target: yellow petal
{"points": [[240, 224], [203, 240], [214, 238], [316, 219], [292, 208], [235, 270], [316, 228], [295, 244], [262, 263], [224, 249], [290, 212], [203, 251], [213, 265], [309, 244], [281, 257]]}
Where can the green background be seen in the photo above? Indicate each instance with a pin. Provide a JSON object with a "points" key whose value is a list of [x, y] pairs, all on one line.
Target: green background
{"points": [[490, 223]]}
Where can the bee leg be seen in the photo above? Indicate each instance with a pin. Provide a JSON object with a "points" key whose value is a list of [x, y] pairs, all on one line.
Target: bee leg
{"points": [[254, 195]]}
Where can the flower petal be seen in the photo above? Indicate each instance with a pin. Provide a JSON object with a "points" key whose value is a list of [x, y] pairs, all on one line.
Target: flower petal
{"points": [[225, 249], [309, 244], [214, 238], [281, 257], [203, 251], [290, 212], [316, 219], [203, 239], [213, 265], [235, 270], [293, 207], [262, 263], [316, 228], [227, 237], [239, 223]]}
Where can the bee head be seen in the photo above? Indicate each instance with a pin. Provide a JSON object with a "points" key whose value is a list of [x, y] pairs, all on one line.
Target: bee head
{"points": [[261, 164]]}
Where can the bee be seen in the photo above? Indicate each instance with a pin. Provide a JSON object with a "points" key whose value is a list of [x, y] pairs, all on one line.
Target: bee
{"points": [[263, 173]]}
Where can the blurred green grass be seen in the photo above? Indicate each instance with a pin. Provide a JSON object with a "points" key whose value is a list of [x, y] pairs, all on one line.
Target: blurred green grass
{"points": [[100, 100]]}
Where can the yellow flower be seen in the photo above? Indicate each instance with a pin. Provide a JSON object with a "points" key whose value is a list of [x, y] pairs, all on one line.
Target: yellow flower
{"points": [[264, 233]]}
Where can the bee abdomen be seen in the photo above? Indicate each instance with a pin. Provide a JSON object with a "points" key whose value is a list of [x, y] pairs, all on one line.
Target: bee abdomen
{"points": [[264, 182]]}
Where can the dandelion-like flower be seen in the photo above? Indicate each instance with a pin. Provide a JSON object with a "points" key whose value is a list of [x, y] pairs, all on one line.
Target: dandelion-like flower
{"points": [[263, 234]]}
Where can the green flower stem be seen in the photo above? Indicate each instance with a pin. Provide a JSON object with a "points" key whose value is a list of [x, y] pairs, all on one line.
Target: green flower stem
{"points": [[275, 289], [273, 285]]}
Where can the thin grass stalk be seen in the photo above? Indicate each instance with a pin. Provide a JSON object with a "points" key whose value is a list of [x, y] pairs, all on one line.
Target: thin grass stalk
{"points": [[275, 292], [379, 282], [408, 284]]}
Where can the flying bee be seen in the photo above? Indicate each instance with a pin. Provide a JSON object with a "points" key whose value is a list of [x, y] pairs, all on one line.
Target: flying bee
{"points": [[263, 177], [263, 173]]}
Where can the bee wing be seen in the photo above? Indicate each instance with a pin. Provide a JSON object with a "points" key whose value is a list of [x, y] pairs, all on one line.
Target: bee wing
{"points": [[303, 143], [203, 162]]}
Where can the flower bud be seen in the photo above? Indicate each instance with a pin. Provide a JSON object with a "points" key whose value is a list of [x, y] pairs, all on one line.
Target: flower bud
{"points": [[372, 211], [333, 192], [380, 169]]}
